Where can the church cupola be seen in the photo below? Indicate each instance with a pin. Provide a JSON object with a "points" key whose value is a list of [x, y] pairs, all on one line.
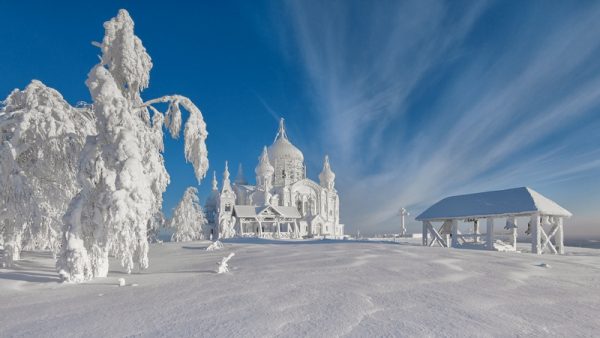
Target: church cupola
{"points": [[239, 178], [327, 177], [215, 186], [212, 201], [287, 160], [226, 181], [264, 171]]}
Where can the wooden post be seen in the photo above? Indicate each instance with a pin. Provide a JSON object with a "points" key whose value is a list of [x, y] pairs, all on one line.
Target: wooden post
{"points": [[514, 232], [559, 238], [454, 233], [476, 230], [278, 229], [536, 236], [259, 227], [490, 234], [424, 239], [241, 227]]}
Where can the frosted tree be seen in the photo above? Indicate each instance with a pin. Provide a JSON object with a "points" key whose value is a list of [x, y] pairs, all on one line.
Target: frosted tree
{"points": [[45, 135], [155, 224], [188, 218], [16, 203], [121, 170]]}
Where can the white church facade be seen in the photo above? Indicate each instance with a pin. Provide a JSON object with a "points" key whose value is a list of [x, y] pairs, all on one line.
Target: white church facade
{"points": [[284, 203]]}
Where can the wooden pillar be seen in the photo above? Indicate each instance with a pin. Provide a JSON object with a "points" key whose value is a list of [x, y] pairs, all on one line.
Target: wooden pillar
{"points": [[490, 234], [259, 227], [424, 239], [241, 227], [476, 230], [559, 237], [278, 229], [454, 232], [536, 236], [513, 230]]}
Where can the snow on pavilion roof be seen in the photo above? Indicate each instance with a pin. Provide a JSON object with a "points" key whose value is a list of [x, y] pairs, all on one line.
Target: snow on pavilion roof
{"points": [[510, 202], [252, 211]]}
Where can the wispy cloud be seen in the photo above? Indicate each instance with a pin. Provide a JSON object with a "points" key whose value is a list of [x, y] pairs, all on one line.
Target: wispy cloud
{"points": [[423, 99]]}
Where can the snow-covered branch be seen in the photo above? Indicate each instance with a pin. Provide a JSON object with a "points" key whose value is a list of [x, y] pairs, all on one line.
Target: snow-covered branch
{"points": [[195, 133]]}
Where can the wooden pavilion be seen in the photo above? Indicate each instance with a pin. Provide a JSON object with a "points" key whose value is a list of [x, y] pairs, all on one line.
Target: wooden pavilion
{"points": [[545, 219]]}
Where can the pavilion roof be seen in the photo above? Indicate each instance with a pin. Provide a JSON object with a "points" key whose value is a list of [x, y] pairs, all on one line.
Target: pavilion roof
{"points": [[511, 202]]}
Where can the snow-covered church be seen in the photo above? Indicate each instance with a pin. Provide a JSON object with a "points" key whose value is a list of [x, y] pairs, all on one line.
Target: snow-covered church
{"points": [[284, 203]]}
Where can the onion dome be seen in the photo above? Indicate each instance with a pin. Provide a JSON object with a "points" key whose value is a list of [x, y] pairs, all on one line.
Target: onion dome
{"points": [[239, 178], [226, 181], [282, 149], [327, 177], [264, 167], [214, 194]]}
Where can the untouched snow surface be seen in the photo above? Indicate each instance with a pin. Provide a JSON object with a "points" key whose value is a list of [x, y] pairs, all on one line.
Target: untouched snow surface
{"points": [[314, 288]]}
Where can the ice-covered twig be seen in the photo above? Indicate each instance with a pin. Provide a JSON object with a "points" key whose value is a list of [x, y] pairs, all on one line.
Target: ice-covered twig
{"points": [[223, 267]]}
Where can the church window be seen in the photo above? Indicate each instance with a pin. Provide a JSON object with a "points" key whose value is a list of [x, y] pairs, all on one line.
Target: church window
{"points": [[227, 207]]}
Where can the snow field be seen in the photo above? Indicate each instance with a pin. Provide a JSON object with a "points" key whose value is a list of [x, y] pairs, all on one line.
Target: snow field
{"points": [[314, 288]]}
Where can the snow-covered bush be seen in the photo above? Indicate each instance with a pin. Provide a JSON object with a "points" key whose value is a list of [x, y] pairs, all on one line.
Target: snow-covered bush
{"points": [[121, 171], [188, 218], [42, 137]]}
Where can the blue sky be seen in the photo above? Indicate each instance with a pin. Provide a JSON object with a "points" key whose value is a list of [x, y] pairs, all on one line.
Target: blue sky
{"points": [[413, 101]]}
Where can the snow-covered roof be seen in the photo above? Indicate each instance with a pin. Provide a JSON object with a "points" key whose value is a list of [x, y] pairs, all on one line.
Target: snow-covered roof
{"points": [[252, 211], [244, 210], [290, 212], [510, 202]]}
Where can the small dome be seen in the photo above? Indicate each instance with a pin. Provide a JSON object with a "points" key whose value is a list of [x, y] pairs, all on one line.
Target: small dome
{"points": [[326, 175], [264, 167], [282, 148], [239, 178], [211, 201]]}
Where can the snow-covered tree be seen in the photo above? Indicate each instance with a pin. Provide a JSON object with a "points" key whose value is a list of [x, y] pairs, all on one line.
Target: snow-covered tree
{"points": [[18, 209], [121, 170], [155, 224], [188, 218], [42, 138]]}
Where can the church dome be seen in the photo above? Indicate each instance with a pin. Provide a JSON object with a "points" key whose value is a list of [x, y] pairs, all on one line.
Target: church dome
{"points": [[326, 176], [264, 168], [282, 149], [211, 201]]}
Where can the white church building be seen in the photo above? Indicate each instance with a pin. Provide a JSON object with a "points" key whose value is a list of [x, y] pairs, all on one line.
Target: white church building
{"points": [[284, 203]]}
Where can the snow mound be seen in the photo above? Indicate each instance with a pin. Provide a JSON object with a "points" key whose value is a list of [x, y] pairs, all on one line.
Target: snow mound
{"points": [[121, 281], [216, 245]]}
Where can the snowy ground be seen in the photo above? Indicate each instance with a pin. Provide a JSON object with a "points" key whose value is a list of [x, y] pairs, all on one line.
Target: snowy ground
{"points": [[319, 288]]}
